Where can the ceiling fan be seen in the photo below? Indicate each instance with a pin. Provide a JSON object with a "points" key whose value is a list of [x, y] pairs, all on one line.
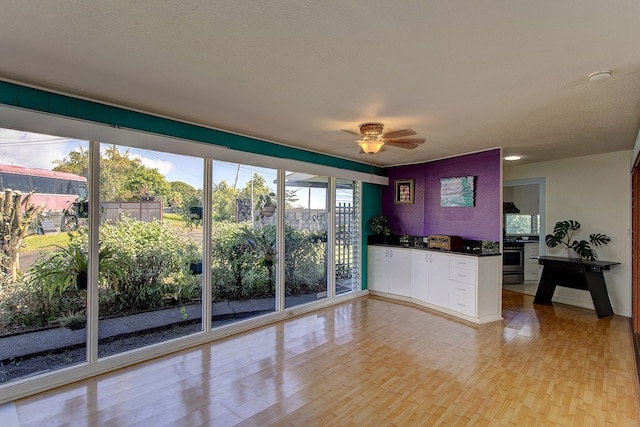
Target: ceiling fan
{"points": [[372, 139]]}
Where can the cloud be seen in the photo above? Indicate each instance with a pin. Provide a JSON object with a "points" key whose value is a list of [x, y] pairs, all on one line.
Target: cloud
{"points": [[33, 150], [163, 166]]}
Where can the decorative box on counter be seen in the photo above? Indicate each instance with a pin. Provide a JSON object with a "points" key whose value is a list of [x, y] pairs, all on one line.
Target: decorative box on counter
{"points": [[444, 242]]}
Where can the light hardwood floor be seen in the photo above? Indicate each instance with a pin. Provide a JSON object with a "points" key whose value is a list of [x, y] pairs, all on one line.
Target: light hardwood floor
{"points": [[372, 362]]}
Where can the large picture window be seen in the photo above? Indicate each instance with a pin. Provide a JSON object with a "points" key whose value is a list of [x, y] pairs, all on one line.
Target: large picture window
{"points": [[270, 246]]}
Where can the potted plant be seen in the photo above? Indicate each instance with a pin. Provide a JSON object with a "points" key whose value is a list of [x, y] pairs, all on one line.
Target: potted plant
{"points": [[194, 258], [380, 225], [563, 233], [68, 266], [267, 205]]}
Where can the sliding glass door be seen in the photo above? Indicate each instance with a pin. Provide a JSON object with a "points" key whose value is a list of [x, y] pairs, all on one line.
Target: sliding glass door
{"points": [[306, 238], [150, 248], [243, 242]]}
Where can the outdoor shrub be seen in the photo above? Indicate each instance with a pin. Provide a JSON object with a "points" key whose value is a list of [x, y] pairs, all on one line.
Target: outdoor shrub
{"points": [[153, 255], [243, 262], [231, 258], [256, 284], [305, 268], [26, 305]]}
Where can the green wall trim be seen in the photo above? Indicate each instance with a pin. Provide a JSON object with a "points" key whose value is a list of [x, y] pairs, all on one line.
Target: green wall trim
{"points": [[371, 205], [15, 95]]}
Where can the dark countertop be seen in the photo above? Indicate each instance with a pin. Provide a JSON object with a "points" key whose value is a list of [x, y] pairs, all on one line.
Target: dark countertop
{"points": [[476, 254]]}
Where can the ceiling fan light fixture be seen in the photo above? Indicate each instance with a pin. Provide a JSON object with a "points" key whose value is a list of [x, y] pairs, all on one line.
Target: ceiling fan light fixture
{"points": [[370, 146], [371, 130]]}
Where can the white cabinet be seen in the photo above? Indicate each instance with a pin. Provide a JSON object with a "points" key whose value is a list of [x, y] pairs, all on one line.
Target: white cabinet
{"points": [[531, 266], [430, 277], [389, 270], [419, 274], [438, 291], [466, 286], [377, 270]]}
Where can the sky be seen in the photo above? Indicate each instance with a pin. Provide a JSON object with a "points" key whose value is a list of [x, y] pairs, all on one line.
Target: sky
{"points": [[40, 151]]}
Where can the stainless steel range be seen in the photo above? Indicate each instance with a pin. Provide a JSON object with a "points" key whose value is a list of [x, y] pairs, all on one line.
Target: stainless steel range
{"points": [[512, 262]]}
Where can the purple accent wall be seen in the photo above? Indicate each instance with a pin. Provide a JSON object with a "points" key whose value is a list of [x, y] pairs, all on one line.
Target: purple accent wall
{"points": [[426, 216]]}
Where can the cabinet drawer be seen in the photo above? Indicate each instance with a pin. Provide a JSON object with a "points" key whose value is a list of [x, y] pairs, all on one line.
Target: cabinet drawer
{"points": [[531, 249], [462, 275], [462, 289], [462, 304], [464, 263]]}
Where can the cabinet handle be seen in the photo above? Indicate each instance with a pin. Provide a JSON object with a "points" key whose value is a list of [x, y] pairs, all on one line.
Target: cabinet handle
{"points": [[390, 253], [462, 275], [463, 290], [461, 305]]}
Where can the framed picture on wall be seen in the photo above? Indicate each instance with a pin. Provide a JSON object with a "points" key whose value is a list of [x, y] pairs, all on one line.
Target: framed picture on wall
{"points": [[403, 191], [457, 192]]}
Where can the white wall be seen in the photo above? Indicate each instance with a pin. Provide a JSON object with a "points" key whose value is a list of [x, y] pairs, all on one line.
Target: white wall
{"points": [[596, 191]]}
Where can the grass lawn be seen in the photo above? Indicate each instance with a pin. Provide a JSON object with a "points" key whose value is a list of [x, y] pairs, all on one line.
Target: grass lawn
{"points": [[36, 242]]}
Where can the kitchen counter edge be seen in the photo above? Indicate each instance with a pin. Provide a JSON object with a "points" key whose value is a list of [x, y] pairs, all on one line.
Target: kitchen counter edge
{"points": [[475, 254]]}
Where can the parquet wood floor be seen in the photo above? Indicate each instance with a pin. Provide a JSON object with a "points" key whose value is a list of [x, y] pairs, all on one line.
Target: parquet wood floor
{"points": [[372, 362]]}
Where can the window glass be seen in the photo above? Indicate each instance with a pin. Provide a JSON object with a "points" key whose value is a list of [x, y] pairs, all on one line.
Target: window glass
{"points": [[521, 224], [306, 225], [150, 273], [16, 182], [347, 243], [43, 296], [46, 185], [243, 244]]}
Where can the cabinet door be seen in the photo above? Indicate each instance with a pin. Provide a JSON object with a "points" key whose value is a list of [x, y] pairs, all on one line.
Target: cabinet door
{"points": [[419, 274], [399, 272], [438, 288], [377, 273]]}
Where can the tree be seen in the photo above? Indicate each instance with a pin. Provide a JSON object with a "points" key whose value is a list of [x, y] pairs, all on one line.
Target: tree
{"points": [[186, 192], [254, 189], [77, 162], [122, 176], [224, 202], [14, 226]]}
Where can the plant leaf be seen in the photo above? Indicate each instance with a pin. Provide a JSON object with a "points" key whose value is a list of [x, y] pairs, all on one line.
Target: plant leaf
{"points": [[598, 239], [552, 240]]}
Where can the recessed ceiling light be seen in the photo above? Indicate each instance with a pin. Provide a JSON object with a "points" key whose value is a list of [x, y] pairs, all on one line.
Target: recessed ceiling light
{"points": [[599, 76], [512, 158]]}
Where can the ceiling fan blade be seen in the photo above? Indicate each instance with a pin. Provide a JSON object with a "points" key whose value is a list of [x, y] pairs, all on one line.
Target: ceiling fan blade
{"points": [[350, 131], [401, 145], [399, 133], [408, 141]]}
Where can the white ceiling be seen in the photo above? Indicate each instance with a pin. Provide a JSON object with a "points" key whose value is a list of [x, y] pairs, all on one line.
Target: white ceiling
{"points": [[465, 75]]}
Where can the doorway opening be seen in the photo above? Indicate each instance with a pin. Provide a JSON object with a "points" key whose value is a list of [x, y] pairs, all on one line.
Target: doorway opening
{"points": [[523, 228]]}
